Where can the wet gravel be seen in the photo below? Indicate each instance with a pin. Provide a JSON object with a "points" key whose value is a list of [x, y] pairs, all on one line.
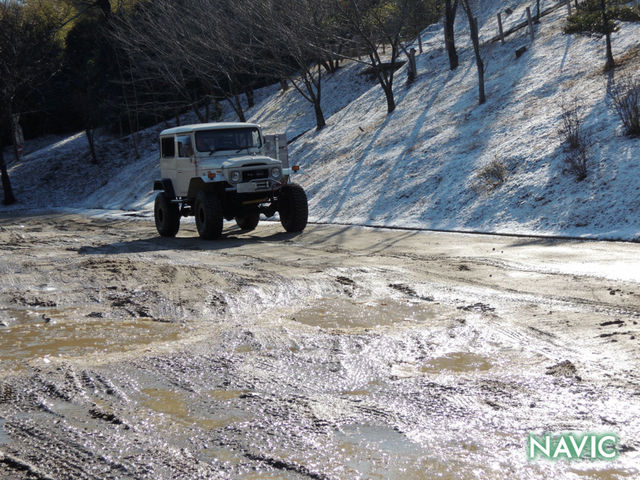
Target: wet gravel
{"points": [[338, 353]]}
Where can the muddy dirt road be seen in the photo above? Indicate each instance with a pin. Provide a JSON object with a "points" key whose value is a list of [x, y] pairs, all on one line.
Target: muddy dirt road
{"points": [[339, 353]]}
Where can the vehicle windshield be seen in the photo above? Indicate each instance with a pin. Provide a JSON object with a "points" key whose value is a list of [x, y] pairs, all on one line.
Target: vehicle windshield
{"points": [[227, 139]]}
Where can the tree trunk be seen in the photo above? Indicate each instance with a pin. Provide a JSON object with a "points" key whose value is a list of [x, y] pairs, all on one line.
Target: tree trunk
{"points": [[388, 93], [9, 199], [17, 136], [90, 133], [331, 65], [320, 122], [473, 26], [284, 85], [234, 101], [250, 97], [134, 139], [449, 39], [610, 63], [196, 109], [479, 63]]}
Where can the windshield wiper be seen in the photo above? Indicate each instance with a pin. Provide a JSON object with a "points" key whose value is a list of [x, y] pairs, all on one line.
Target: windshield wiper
{"points": [[246, 147], [212, 151]]}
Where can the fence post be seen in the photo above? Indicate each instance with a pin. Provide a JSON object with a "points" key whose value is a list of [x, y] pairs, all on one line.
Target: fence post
{"points": [[500, 28], [530, 22], [412, 71]]}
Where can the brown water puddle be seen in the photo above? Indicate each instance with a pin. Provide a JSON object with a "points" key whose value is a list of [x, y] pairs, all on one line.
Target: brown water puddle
{"points": [[382, 452], [177, 406], [347, 313], [457, 362], [44, 333]]}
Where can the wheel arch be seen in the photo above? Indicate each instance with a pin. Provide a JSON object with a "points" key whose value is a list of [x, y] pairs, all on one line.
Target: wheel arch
{"points": [[197, 185], [165, 185]]}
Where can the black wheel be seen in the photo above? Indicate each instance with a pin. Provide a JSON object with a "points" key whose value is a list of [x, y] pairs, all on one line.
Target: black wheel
{"points": [[248, 221], [167, 215], [208, 212], [293, 208]]}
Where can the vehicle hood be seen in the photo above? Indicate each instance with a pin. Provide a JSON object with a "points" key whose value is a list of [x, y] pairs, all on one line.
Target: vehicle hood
{"points": [[235, 161], [243, 161]]}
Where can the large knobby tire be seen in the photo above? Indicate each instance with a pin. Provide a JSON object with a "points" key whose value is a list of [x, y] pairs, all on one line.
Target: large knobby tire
{"points": [[248, 221], [208, 212], [167, 215], [293, 207]]}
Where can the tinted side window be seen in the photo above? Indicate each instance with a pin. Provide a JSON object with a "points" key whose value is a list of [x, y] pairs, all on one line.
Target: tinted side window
{"points": [[168, 147]]}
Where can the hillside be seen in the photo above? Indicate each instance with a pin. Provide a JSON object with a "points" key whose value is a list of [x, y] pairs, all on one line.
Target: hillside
{"points": [[419, 166]]}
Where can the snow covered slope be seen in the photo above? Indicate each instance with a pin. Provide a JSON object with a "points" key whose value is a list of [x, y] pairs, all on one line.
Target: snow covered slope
{"points": [[419, 166]]}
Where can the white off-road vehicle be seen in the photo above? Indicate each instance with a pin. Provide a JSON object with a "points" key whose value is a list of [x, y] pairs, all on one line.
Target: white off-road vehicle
{"points": [[219, 171]]}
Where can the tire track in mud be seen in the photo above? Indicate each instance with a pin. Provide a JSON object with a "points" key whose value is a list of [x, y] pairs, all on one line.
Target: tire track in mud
{"points": [[314, 359]]}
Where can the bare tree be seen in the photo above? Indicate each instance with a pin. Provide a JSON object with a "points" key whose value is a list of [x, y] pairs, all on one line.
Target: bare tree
{"points": [[29, 54], [607, 29], [194, 53], [292, 40], [624, 95], [9, 197], [473, 30], [421, 14], [449, 19], [374, 26], [154, 39], [220, 50]]}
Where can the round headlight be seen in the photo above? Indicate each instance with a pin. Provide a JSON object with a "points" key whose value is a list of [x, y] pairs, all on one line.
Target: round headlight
{"points": [[276, 172], [235, 176]]}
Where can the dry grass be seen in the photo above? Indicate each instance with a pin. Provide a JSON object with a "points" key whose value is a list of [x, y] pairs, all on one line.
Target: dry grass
{"points": [[490, 176]]}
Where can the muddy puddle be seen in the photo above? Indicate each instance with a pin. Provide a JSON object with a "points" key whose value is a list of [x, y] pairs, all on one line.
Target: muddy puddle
{"points": [[381, 452], [457, 362], [48, 333], [211, 412], [345, 313]]}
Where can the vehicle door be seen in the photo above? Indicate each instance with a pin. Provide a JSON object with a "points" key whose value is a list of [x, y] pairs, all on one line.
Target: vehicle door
{"points": [[185, 164], [168, 157]]}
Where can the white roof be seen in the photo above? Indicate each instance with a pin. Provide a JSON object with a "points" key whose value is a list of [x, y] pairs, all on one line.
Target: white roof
{"points": [[207, 126]]}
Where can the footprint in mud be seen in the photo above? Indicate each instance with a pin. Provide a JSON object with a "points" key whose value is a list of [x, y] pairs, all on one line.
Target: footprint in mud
{"points": [[345, 281], [477, 307], [31, 301], [348, 284], [563, 369], [407, 290], [617, 322]]}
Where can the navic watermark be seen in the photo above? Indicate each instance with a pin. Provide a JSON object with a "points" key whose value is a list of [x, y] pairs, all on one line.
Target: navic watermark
{"points": [[572, 446]]}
